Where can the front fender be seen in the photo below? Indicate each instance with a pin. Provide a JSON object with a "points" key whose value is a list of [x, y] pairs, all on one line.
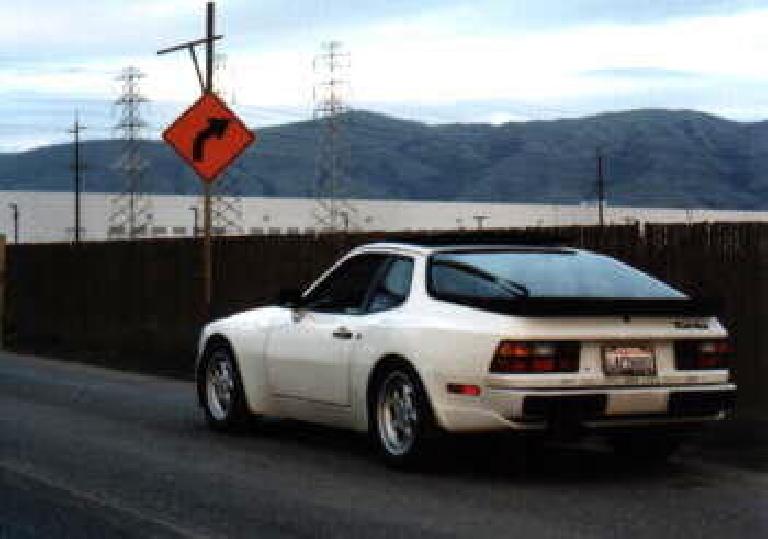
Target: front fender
{"points": [[247, 334]]}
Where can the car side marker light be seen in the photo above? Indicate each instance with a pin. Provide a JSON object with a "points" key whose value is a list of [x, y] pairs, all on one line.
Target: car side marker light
{"points": [[468, 390]]}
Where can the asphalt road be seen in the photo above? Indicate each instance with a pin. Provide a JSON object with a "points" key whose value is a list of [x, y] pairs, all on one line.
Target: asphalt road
{"points": [[87, 452]]}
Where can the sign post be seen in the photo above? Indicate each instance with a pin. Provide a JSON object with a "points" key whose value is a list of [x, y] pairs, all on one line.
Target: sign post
{"points": [[207, 254], [208, 136]]}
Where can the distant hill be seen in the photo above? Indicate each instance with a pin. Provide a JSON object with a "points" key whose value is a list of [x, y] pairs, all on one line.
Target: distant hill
{"points": [[654, 158]]}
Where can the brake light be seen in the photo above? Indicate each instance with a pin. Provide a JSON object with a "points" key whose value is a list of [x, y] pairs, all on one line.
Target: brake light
{"points": [[702, 355], [536, 357]]}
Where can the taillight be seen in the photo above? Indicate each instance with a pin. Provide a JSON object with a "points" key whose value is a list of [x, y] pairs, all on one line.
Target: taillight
{"points": [[701, 355], [534, 356]]}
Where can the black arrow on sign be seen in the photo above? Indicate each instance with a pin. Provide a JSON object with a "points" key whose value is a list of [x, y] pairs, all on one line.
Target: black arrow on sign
{"points": [[216, 128]]}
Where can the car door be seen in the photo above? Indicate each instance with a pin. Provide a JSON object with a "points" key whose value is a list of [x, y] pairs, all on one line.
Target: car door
{"points": [[308, 357]]}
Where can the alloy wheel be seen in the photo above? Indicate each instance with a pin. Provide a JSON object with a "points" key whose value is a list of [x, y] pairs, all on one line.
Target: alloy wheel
{"points": [[220, 385], [397, 413]]}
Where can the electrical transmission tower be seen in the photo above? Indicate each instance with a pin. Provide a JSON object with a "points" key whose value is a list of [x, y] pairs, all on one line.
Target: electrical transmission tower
{"points": [[332, 210], [227, 191], [131, 210]]}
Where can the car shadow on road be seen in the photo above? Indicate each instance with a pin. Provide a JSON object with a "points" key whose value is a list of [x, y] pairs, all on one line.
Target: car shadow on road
{"points": [[541, 461], [489, 457]]}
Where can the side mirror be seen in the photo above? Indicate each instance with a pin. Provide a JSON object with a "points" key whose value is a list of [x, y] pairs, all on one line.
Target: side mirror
{"points": [[290, 298]]}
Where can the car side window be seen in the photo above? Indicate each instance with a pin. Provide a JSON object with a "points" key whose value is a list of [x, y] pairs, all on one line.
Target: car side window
{"points": [[346, 288], [394, 286], [453, 280]]}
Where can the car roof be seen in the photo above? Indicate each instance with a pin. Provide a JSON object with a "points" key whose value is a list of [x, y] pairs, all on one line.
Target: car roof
{"points": [[426, 250]]}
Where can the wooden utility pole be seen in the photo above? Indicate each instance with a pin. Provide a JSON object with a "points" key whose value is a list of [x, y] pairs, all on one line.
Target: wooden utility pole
{"points": [[76, 129], [207, 255], [206, 86], [600, 187]]}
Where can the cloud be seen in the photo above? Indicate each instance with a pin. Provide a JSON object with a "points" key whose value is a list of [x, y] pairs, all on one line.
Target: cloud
{"points": [[49, 30], [80, 29], [641, 73], [554, 13], [283, 18], [438, 60]]}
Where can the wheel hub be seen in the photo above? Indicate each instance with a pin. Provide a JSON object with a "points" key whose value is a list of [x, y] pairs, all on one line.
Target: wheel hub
{"points": [[220, 386], [396, 414]]}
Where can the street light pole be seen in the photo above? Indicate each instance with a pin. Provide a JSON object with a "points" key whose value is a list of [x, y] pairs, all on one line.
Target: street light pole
{"points": [[15, 209], [194, 230], [480, 219], [345, 219]]}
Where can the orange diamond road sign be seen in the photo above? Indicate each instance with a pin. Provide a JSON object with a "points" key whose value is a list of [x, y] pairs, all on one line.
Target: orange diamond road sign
{"points": [[208, 136]]}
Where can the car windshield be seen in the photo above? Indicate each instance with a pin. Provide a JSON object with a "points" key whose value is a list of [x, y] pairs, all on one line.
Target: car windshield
{"points": [[551, 274]]}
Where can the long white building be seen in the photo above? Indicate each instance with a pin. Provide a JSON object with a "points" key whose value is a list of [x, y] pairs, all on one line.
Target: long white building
{"points": [[49, 216]]}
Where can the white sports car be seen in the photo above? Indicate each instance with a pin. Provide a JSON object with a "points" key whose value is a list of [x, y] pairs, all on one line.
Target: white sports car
{"points": [[407, 341]]}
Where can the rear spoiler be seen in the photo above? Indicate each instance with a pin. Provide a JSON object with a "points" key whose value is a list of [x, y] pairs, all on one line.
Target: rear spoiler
{"points": [[550, 306]]}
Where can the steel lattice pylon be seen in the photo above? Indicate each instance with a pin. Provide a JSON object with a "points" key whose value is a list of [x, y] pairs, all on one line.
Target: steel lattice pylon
{"points": [[332, 209], [131, 214], [227, 191]]}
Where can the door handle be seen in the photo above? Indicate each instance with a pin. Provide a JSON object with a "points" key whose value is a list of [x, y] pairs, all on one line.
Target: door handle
{"points": [[342, 333]]}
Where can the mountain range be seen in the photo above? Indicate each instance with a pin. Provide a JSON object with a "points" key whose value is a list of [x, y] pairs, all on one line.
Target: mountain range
{"points": [[652, 158]]}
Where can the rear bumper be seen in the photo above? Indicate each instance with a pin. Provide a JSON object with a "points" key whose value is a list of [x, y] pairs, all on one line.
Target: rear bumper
{"points": [[547, 408]]}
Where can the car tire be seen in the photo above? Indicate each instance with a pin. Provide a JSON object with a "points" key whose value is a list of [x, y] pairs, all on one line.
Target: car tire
{"points": [[222, 392], [402, 424], [645, 448]]}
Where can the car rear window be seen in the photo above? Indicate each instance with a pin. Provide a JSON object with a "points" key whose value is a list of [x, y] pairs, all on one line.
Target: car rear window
{"points": [[555, 274]]}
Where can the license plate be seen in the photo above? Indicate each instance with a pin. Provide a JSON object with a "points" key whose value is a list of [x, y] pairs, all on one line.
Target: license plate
{"points": [[624, 360]]}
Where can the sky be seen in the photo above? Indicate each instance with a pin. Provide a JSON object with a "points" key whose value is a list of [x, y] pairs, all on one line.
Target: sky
{"points": [[435, 61]]}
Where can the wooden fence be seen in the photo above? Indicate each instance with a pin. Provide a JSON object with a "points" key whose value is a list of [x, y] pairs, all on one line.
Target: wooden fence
{"points": [[137, 305]]}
